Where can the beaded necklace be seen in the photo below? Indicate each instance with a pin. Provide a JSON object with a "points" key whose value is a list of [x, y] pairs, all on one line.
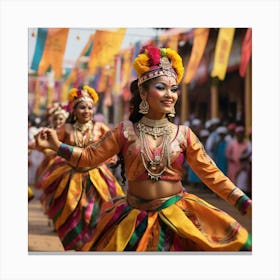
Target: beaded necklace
{"points": [[84, 129], [155, 162]]}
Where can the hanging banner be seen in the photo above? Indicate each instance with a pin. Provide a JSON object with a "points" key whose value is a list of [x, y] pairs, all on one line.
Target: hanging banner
{"points": [[39, 47], [102, 80], [136, 51], [106, 45], [126, 67], [222, 51], [54, 51], [84, 53], [117, 78], [199, 44], [246, 52], [88, 47]]}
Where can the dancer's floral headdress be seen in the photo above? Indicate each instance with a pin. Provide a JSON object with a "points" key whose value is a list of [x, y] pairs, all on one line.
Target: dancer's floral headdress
{"points": [[57, 109], [85, 93], [153, 62], [61, 111]]}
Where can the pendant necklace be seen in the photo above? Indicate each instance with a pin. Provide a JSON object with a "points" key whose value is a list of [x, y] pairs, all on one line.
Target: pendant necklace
{"points": [[155, 162], [85, 129]]}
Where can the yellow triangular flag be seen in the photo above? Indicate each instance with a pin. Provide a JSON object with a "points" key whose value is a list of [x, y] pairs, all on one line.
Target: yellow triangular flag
{"points": [[222, 51]]}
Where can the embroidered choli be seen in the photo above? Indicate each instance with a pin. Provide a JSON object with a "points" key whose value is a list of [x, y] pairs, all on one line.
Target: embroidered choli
{"points": [[66, 133], [184, 146]]}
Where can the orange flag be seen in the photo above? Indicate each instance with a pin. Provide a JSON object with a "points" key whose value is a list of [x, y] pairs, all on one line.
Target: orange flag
{"points": [[54, 51], [106, 45], [199, 44], [117, 75], [102, 81], [246, 52], [126, 67], [222, 52]]}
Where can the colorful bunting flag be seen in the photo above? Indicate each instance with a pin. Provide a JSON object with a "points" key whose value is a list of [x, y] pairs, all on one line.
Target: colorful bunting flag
{"points": [[126, 67], [222, 51], [117, 78], [102, 80], [199, 44], [39, 48], [106, 45], [54, 51], [246, 52]]}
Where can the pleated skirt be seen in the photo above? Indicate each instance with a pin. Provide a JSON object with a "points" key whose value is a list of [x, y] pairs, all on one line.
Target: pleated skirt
{"points": [[182, 223], [73, 199]]}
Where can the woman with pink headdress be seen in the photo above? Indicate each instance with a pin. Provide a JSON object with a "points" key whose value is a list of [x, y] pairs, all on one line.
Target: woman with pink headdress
{"points": [[157, 214]]}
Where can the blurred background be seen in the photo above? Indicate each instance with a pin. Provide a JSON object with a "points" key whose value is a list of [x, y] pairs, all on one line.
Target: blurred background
{"points": [[217, 61]]}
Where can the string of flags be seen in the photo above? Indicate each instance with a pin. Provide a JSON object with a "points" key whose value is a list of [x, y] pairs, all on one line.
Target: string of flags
{"points": [[107, 65]]}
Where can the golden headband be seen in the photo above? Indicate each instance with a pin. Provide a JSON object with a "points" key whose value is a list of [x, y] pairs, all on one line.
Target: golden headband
{"points": [[86, 94], [164, 69], [154, 62]]}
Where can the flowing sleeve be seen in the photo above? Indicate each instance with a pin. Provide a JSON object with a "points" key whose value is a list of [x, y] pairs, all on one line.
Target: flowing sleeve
{"points": [[93, 154], [211, 175]]}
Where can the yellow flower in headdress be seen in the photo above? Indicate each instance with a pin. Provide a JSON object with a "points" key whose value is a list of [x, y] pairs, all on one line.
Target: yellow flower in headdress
{"points": [[76, 94], [72, 94], [141, 63], [92, 93], [149, 61], [176, 62]]}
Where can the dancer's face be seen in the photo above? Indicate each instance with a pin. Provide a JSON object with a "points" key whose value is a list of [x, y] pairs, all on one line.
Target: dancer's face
{"points": [[161, 96], [58, 120], [84, 111]]}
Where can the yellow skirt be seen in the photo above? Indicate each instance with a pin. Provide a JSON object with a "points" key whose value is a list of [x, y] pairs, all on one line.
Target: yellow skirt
{"points": [[73, 199], [183, 222]]}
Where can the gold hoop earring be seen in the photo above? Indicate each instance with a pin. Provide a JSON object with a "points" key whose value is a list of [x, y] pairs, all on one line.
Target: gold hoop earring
{"points": [[172, 113], [144, 107]]}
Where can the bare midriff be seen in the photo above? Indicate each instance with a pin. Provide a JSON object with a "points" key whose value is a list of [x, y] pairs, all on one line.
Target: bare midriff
{"points": [[148, 189]]}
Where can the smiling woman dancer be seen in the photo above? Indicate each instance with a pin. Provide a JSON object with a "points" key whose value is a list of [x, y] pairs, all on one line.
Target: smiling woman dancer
{"points": [[73, 197], [157, 214]]}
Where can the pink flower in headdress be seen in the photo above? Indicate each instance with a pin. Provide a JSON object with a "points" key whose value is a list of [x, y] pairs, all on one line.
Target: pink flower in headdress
{"points": [[154, 55]]}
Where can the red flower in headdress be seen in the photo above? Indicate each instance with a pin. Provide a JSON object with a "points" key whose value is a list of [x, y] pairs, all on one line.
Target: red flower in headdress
{"points": [[154, 55]]}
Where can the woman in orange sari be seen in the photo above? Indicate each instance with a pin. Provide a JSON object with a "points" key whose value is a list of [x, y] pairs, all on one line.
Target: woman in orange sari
{"points": [[74, 196], [157, 214]]}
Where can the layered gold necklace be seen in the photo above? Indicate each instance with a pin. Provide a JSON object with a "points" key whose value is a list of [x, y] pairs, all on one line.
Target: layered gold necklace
{"points": [[85, 130], [155, 162]]}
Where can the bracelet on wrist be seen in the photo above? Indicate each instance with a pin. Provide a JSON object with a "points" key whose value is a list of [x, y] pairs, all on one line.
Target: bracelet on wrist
{"points": [[242, 204], [65, 151]]}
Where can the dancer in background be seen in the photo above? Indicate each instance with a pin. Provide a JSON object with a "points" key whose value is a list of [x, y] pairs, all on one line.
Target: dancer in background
{"points": [[74, 196], [234, 150], [57, 116], [157, 214]]}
